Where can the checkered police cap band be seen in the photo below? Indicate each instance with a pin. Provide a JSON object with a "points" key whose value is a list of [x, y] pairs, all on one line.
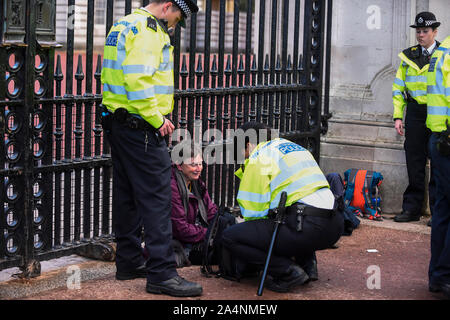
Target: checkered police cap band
{"points": [[184, 7]]}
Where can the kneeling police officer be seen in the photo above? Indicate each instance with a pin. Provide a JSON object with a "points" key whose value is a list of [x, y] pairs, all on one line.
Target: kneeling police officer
{"points": [[312, 221]]}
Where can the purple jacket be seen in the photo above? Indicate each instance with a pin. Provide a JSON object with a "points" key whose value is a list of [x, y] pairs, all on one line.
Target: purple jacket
{"points": [[183, 225]]}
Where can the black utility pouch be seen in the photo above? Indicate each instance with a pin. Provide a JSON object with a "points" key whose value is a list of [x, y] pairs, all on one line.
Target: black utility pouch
{"points": [[105, 118]]}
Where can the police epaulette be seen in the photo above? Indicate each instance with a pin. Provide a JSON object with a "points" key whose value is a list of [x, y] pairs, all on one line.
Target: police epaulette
{"points": [[412, 52], [151, 23]]}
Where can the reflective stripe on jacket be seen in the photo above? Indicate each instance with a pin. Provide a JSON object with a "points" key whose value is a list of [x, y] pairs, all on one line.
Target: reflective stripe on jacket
{"points": [[137, 71], [438, 109], [409, 78], [273, 167]]}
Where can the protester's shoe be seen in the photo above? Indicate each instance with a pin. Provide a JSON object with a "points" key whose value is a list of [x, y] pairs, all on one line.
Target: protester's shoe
{"points": [[429, 223], [311, 270], [139, 272], [407, 216], [295, 276], [176, 286]]}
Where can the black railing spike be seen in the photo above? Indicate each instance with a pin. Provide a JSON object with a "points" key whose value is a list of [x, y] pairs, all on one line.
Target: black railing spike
{"points": [[214, 70], [228, 66], [199, 69], [254, 67], [289, 64], [300, 63], [98, 75], [266, 63], [183, 70], [241, 63], [278, 63], [59, 76], [79, 75], [98, 70]]}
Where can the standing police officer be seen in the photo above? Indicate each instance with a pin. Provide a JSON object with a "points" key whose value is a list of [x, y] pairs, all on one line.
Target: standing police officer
{"points": [[410, 90], [137, 78], [438, 121], [311, 224]]}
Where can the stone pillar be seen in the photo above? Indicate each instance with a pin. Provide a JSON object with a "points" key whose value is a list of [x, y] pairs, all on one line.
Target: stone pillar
{"points": [[365, 43], [422, 5]]}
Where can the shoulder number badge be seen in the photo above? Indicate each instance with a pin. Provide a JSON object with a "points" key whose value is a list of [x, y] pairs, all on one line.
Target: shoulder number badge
{"points": [[151, 23]]}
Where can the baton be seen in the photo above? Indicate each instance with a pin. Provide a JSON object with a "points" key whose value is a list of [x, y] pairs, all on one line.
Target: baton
{"points": [[278, 220]]}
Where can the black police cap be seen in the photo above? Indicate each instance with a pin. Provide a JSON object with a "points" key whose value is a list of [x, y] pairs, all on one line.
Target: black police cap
{"points": [[187, 7], [425, 19]]}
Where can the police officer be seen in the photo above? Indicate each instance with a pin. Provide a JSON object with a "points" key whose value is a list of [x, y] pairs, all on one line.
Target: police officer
{"points": [[410, 90], [311, 224], [138, 88], [438, 121]]}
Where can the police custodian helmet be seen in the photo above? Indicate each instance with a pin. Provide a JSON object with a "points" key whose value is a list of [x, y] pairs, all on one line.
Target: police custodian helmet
{"points": [[425, 19], [187, 7]]}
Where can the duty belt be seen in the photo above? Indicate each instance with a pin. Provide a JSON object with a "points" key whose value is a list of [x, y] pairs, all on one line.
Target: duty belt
{"points": [[301, 210], [132, 121]]}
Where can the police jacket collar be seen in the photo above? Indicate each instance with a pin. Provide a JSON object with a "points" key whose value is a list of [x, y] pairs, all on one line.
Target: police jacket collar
{"points": [[162, 24], [413, 56]]}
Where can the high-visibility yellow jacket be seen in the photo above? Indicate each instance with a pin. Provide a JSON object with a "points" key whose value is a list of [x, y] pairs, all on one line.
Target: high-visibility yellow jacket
{"points": [[137, 71], [438, 109], [411, 78], [273, 167]]}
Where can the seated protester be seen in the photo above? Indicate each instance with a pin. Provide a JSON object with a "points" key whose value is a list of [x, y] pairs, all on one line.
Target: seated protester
{"points": [[311, 222], [192, 207]]}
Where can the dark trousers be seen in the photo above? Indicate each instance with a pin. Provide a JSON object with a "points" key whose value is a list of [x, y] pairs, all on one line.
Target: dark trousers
{"points": [[439, 270], [141, 198], [249, 241], [416, 142]]}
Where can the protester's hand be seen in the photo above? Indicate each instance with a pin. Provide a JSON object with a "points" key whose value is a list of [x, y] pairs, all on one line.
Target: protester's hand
{"points": [[399, 126], [166, 128]]}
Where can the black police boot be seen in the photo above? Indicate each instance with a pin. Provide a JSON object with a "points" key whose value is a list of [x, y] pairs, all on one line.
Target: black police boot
{"points": [[407, 216], [139, 272], [440, 287], [311, 269], [445, 288], [176, 286], [434, 287], [294, 276], [429, 223]]}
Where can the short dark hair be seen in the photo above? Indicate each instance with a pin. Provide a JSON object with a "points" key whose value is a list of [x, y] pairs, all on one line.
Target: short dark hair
{"points": [[256, 126]]}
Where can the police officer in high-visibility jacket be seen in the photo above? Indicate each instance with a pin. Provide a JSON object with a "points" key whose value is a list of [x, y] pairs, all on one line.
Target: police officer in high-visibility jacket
{"points": [[138, 87], [410, 90], [311, 223], [438, 121]]}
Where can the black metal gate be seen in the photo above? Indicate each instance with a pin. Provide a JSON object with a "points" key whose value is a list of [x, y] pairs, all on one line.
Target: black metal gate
{"points": [[56, 166]]}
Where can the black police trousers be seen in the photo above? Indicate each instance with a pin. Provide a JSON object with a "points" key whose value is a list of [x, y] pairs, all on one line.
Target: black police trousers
{"points": [[416, 150], [249, 241], [141, 199], [439, 269]]}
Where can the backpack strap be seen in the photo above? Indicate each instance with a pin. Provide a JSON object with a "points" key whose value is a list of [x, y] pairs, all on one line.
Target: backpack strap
{"points": [[369, 205], [349, 178], [208, 244]]}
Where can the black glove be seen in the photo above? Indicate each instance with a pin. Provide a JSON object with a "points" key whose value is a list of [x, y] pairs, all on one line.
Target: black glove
{"points": [[443, 143]]}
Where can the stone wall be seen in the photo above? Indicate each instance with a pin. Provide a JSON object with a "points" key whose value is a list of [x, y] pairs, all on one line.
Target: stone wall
{"points": [[367, 37]]}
